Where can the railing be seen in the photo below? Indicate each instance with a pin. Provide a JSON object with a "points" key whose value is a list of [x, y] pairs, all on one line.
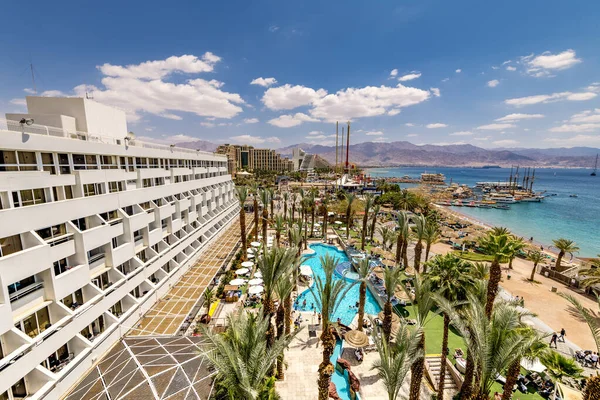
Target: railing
{"points": [[60, 239], [19, 294]]}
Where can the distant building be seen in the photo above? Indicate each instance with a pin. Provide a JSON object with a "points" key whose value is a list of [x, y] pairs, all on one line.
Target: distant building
{"points": [[312, 162], [244, 157], [298, 157]]}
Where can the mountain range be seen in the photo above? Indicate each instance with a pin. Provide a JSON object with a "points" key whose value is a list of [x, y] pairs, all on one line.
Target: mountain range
{"points": [[404, 153]]}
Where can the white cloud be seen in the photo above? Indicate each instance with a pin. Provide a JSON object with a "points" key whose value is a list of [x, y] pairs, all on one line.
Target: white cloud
{"points": [[410, 76], [481, 138], [518, 117], [545, 63], [435, 91], [412, 135], [173, 139], [374, 133], [264, 82], [288, 121], [590, 127], [511, 68], [251, 120], [208, 124], [381, 139], [577, 140], [394, 72], [393, 111], [458, 71], [315, 133], [273, 28], [548, 98], [594, 87], [505, 142], [495, 127], [143, 88], [18, 102], [29, 91], [494, 67], [288, 97], [249, 139], [409, 124], [445, 79], [462, 133], [588, 116], [435, 125], [493, 83]]}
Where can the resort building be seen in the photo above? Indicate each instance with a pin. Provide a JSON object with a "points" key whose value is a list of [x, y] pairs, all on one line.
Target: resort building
{"points": [[95, 227], [243, 157]]}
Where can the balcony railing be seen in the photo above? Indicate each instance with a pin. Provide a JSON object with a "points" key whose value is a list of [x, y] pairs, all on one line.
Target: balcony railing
{"points": [[19, 294]]}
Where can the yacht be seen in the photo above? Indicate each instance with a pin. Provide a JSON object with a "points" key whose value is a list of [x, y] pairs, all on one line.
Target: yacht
{"points": [[502, 198]]}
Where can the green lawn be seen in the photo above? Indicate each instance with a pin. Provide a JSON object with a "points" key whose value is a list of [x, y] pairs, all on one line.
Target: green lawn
{"points": [[497, 387], [473, 256]]}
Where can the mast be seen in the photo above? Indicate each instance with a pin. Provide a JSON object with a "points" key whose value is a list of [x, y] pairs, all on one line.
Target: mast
{"points": [[516, 180], [33, 78], [336, 145], [510, 178], [347, 146], [532, 180], [342, 149]]}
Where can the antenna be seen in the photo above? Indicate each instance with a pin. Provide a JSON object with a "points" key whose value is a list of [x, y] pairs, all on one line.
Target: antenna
{"points": [[336, 145], [33, 77]]}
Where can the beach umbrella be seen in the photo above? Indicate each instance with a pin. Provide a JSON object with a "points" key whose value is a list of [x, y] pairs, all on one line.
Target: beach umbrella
{"points": [[250, 255], [338, 222], [395, 317], [255, 244], [242, 271], [255, 281], [256, 289], [533, 366], [237, 282], [306, 270], [247, 264], [331, 236], [356, 338], [258, 274]]}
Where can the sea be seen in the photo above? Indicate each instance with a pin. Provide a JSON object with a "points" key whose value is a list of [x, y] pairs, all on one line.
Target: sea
{"points": [[574, 218]]}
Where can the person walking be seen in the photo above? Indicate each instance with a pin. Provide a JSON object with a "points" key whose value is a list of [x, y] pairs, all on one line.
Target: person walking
{"points": [[553, 340], [562, 334]]}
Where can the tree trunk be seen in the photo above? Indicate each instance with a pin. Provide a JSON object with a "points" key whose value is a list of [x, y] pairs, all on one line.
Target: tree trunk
{"points": [[272, 207], [285, 209], [280, 322], [312, 221], [405, 253], [559, 259], [277, 237], [269, 311], [443, 357], [255, 229], [418, 250], [427, 249], [467, 387], [293, 210], [363, 235], [399, 244], [265, 215], [361, 304], [305, 233], [373, 223], [243, 232], [348, 223], [387, 321], [416, 372], [492, 290], [531, 278], [326, 367], [510, 260], [325, 218], [288, 315], [511, 378]]}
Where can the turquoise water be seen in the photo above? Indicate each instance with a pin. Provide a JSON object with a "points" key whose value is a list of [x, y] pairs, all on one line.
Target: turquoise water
{"points": [[346, 310], [342, 384], [557, 216]]}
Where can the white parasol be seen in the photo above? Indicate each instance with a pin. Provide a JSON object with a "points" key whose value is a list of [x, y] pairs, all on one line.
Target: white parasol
{"points": [[237, 282], [242, 271], [306, 270], [247, 264], [256, 289], [255, 281]]}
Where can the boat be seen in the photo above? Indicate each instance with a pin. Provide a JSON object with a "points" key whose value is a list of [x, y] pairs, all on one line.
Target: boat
{"points": [[471, 204], [531, 199], [572, 195], [502, 207], [595, 167], [502, 198], [483, 205]]}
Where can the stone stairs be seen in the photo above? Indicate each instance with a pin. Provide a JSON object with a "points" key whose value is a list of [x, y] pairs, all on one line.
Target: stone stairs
{"points": [[433, 363]]}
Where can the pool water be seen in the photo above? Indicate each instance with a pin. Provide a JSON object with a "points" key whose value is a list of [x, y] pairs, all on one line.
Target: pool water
{"points": [[342, 384], [347, 308]]}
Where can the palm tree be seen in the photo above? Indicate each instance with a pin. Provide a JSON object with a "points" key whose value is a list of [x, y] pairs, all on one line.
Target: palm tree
{"points": [[283, 289], [279, 227], [588, 316], [536, 349], [313, 209], [369, 199], [241, 357], [376, 209], [350, 199], [391, 279], [497, 244], [536, 257], [325, 212], [406, 200], [422, 306], [402, 235], [516, 245], [242, 192], [450, 278], [272, 200], [396, 358], [209, 296], [418, 235], [327, 293], [294, 198], [565, 246], [559, 367], [590, 276], [592, 388], [264, 199], [255, 206], [386, 234], [274, 265], [364, 270], [431, 235], [286, 196]]}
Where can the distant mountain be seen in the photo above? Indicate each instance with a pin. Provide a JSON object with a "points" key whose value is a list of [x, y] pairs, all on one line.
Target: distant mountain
{"points": [[405, 153]]}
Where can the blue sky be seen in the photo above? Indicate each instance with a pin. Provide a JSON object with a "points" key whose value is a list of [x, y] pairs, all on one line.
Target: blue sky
{"points": [[492, 74]]}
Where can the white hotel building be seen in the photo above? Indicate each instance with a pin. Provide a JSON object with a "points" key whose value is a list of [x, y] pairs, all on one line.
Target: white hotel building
{"points": [[95, 227]]}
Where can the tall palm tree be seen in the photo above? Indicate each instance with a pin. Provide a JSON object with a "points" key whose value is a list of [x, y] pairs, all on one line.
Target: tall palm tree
{"points": [[402, 237], [516, 245], [565, 246], [265, 199], [294, 199], [386, 236], [279, 225], [560, 367], [369, 199], [588, 316], [497, 244], [325, 212], [590, 276], [209, 296], [376, 209], [536, 257], [364, 270], [241, 357], [391, 279], [536, 349], [272, 201], [450, 278], [313, 210], [274, 265], [396, 358], [406, 200], [327, 293], [418, 235], [283, 290], [350, 199], [432, 235], [422, 306], [286, 197], [242, 192], [592, 388], [254, 190]]}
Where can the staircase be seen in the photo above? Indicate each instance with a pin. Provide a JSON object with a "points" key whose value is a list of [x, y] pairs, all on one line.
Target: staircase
{"points": [[432, 366]]}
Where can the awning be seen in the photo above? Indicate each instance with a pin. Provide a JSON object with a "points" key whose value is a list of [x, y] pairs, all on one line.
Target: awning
{"points": [[306, 270], [255, 289], [533, 366]]}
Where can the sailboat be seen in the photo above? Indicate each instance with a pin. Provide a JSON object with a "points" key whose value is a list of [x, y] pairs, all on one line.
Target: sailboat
{"points": [[595, 167]]}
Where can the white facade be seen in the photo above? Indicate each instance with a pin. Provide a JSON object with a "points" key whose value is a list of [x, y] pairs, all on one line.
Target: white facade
{"points": [[93, 231], [297, 157]]}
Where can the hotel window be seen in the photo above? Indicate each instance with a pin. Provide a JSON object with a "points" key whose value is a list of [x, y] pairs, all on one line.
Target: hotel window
{"points": [[19, 390], [10, 245], [153, 162], [111, 216], [114, 187], [95, 254], [48, 163], [92, 189], [140, 162], [125, 268], [146, 182], [36, 323], [8, 160], [116, 309], [159, 181], [80, 223], [102, 281], [138, 235], [54, 361], [52, 234], [108, 162], [29, 197], [130, 164], [73, 300], [91, 161], [27, 161], [68, 192], [60, 266], [63, 163]]}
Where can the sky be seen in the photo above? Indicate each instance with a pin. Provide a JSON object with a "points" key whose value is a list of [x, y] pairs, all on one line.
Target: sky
{"points": [[275, 73]]}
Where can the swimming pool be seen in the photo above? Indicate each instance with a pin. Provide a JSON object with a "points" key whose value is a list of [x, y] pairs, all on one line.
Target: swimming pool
{"points": [[347, 308]]}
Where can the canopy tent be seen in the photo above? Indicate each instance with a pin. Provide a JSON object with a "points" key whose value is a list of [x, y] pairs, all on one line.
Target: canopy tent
{"points": [[237, 282], [258, 274], [255, 281], [306, 270], [533, 366], [255, 244], [331, 236], [256, 289], [242, 271], [338, 222], [247, 264], [243, 173], [356, 338]]}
